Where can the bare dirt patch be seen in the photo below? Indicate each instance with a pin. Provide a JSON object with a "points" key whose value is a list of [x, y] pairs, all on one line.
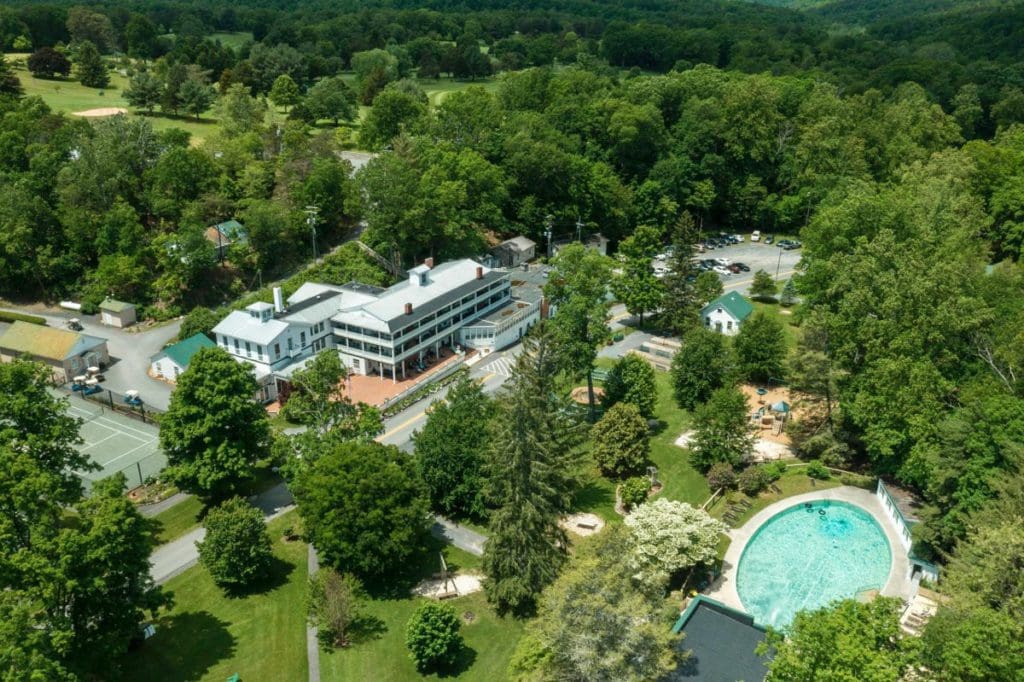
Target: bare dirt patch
{"points": [[458, 586], [101, 112], [582, 524], [580, 395]]}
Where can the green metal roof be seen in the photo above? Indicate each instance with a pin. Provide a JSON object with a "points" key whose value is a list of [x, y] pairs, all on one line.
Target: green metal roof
{"points": [[734, 304], [115, 306], [722, 642], [181, 353]]}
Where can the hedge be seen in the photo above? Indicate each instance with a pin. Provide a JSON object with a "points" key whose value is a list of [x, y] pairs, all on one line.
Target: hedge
{"points": [[7, 316]]}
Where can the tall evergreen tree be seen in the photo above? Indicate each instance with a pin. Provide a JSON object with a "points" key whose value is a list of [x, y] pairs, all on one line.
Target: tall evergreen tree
{"points": [[9, 83], [144, 91], [532, 471], [681, 303]]}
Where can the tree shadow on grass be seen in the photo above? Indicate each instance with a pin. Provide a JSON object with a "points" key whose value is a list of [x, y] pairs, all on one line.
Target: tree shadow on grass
{"points": [[464, 661], [187, 645], [366, 628], [398, 583], [594, 495], [277, 576]]}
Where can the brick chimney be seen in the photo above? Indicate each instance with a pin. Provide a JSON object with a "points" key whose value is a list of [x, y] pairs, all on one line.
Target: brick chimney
{"points": [[479, 272], [408, 308], [429, 262]]}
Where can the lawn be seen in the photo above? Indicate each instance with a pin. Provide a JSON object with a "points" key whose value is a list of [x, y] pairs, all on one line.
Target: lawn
{"points": [[234, 39], [489, 643], [174, 522], [209, 636], [793, 482], [681, 481], [786, 317]]}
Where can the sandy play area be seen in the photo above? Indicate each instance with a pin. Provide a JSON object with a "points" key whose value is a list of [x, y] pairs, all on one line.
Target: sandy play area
{"points": [[101, 112], [463, 584], [582, 524]]}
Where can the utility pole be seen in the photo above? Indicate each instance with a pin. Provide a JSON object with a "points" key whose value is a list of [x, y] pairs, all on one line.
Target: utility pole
{"points": [[778, 265], [548, 223], [311, 214]]}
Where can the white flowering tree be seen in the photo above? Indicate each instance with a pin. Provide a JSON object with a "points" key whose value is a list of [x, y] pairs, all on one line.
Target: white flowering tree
{"points": [[670, 536]]}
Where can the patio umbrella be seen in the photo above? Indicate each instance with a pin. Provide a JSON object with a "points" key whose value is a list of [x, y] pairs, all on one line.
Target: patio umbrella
{"points": [[781, 406]]}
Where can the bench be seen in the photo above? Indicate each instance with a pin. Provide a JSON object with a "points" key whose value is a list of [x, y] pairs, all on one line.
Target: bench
{"points": [[586, 525]]}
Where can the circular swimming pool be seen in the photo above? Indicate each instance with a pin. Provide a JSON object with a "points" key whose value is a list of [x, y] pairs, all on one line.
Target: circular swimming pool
{"points": [[808, 555]]}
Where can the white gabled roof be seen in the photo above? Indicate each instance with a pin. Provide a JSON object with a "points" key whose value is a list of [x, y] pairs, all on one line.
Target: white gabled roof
{"points": [[310, 290], [241, 325]]}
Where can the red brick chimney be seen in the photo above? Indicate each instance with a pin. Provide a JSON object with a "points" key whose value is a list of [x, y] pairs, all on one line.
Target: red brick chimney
{"points": [[479, 272], [408, 308], [429, 262]]}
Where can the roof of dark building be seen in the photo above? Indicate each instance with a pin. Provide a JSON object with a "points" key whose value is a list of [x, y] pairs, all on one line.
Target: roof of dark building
{"points": [[721, 642]]}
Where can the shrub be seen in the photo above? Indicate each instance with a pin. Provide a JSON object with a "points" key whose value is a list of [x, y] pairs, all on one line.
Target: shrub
{"points": [[633, 491], [237, 548], [753, 480], [775, 470], [333, 605], [816, 469], [6, 316], [433, 636], [721, 475]]}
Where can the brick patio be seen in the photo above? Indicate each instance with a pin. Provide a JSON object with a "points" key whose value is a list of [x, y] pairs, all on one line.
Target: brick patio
{"points": [[376, 390]]}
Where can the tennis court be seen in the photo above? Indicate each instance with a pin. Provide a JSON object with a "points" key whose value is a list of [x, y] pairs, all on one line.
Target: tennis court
{"points": [[117, 443]]}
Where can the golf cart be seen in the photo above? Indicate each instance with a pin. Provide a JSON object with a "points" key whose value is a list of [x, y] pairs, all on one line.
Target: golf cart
{"points": [[74, 324], [131, 397]]}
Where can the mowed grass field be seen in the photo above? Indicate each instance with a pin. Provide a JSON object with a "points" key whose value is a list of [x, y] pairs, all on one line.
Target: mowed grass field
{"points": [[208, 635]]}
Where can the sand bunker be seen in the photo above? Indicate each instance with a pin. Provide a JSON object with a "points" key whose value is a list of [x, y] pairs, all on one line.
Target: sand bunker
{"points": [[101, 112]]}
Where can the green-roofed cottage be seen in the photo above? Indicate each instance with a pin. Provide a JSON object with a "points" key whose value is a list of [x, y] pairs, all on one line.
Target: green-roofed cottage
{"points": [[169, 363], [114, 313], [726, 313], [67, 353], [722, 643], [223, 235]]}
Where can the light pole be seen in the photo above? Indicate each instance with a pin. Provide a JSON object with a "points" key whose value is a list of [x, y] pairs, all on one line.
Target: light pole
{"points": [[778, 265], [548, 222], [311, 214]]}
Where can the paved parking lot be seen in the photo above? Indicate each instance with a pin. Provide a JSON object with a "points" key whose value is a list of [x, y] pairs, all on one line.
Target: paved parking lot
{"points": [[756, 256]]}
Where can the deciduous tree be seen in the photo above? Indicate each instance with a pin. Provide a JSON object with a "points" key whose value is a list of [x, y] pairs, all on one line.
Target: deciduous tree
{"points": [[721, 430], [632, 380], [333, 99], [845, 641], [763, 285], [433, 636], [237, 549], [47, 62], [760, 348], [364, 507], [214, 432], [196, 96], [284, 93], [636, 286], [333, 605], [621, 441], [577, 287], [703, 364], [669, 537], [451, 448]]}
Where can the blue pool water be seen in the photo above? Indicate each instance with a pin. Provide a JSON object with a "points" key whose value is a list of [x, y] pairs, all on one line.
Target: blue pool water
{"points": [[805, 557]]}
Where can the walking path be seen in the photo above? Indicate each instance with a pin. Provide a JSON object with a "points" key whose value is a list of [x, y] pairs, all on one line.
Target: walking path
{"points": [[177, 556], [151, 510], [460, 536], [312, 641]]}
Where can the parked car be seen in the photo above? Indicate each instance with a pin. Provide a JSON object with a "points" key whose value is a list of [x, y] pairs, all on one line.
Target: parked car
{"points": [[734, 269], [793, 245], [742, 266], [722, 270], [783, 243], [755, 236], [769, 239], [722, 261], [737, 238]]}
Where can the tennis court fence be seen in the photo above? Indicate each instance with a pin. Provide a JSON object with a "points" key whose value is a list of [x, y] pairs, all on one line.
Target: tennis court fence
{"points": [[136, 474], [117, 402]]}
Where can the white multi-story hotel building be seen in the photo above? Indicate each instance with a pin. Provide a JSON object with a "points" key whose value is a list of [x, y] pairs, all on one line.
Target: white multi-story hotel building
{"points": [[384, 332]]}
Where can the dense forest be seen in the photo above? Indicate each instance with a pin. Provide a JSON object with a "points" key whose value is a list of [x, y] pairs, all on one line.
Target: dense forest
{"points": [[888, 136]]}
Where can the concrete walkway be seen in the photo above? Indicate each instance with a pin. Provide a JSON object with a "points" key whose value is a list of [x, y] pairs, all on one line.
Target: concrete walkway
{"points": [[460, 536], [177, 556], [898, 584], [312, 640], [151, 510]]}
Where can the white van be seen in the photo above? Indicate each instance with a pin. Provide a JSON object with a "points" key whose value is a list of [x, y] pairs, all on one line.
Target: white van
{"points": [[755, 236]]}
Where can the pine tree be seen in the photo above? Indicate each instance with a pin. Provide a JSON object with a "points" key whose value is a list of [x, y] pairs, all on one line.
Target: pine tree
{"points": [[680, 303], [9, 83], [144, 91], [89, 66], [531, 471]]}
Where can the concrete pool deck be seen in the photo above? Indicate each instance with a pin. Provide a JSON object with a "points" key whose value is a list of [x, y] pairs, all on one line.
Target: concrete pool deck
{"points": [[898, 584]]}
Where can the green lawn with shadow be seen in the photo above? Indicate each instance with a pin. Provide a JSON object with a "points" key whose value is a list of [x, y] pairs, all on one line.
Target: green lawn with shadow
{"points": [[210, 635]]}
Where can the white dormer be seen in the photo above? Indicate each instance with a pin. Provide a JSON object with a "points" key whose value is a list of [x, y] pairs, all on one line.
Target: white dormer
{"points": [[419, 276], [261, 311]]}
